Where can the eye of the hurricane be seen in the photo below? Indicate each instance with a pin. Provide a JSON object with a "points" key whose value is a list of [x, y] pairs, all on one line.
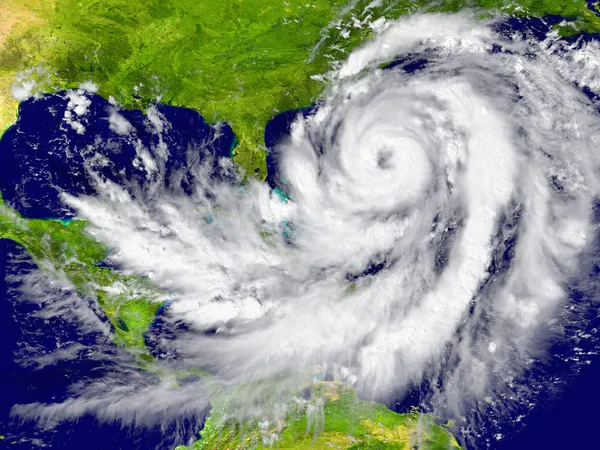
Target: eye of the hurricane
{"points": [[396, 164], [378, 169], [384, 159]]}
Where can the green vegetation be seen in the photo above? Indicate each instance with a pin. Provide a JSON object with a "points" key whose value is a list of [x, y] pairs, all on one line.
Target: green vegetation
{"points": [[333, 418], [66, 251], [240, 61]]}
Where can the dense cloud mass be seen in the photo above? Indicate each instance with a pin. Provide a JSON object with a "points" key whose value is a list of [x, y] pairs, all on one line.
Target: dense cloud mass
{"points": [[433, 222]]}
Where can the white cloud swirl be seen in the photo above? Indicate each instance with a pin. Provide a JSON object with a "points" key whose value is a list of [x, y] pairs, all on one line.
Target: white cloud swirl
{"points": [[427, 174]]}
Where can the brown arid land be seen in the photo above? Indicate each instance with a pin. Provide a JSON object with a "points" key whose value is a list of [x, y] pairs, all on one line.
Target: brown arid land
{"points": [[15, 17]]}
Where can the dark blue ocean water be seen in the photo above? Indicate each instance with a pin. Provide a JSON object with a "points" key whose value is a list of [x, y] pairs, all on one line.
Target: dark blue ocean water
{"points": [[21, 331], [42, 155]]}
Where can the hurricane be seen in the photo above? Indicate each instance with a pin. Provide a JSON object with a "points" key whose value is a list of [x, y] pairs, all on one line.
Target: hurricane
{"points": [[426, 227]]}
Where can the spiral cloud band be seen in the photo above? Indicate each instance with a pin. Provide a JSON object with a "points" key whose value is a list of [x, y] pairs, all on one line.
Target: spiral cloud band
{"points": [[433, 222]]}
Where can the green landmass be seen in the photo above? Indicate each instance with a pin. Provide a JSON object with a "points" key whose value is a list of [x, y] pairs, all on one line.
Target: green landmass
{"points": [[239, 61], [334, 418], [66, 252]]}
